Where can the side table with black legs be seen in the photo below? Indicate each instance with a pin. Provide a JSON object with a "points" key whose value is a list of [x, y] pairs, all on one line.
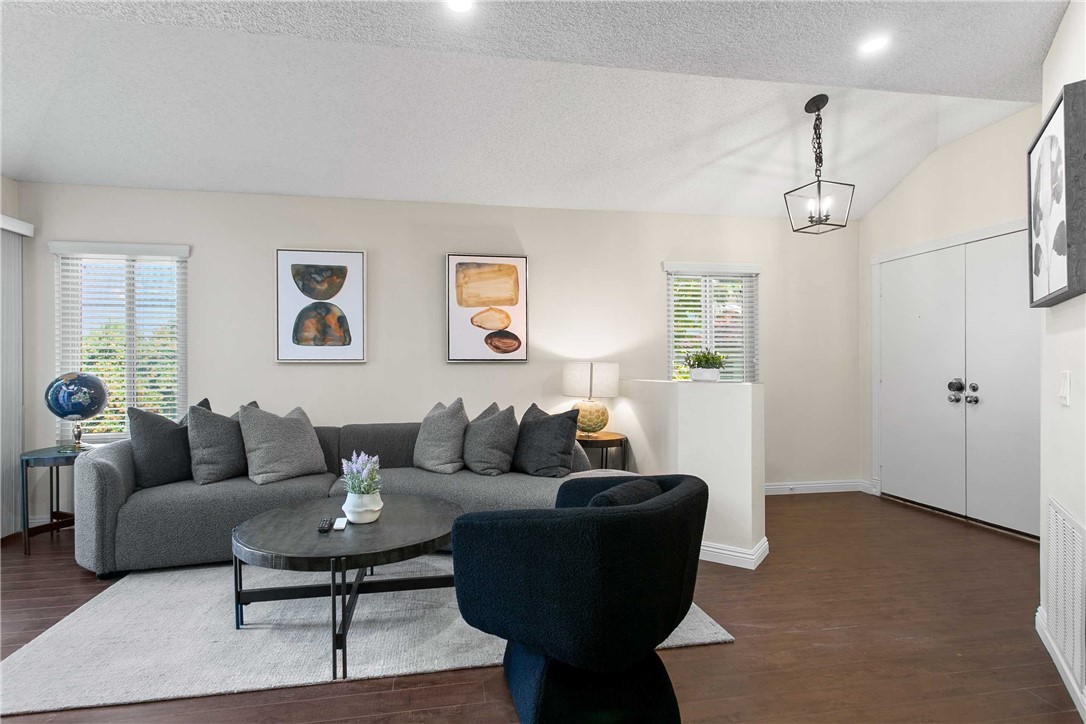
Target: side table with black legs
{"points": [[605, 442], [53, 458]]}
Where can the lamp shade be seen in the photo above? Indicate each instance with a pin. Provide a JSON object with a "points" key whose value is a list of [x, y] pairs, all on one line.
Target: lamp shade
{"points": [[590, 379], [604, 379], [577, 379]]}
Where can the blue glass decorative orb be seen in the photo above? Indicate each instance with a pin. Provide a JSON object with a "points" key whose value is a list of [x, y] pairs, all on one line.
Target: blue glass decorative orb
{"points": [[76, 396]]}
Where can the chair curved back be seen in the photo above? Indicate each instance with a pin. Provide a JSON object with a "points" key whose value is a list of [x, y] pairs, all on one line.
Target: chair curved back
{"points": [[596, 588]]}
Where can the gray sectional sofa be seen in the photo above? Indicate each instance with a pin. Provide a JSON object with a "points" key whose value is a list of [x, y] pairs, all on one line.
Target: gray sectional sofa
{"points": [[119, 527]]}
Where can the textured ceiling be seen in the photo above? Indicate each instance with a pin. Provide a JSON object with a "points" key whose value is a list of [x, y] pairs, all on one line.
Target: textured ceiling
{"points": [[973, 49], [161, 105]]}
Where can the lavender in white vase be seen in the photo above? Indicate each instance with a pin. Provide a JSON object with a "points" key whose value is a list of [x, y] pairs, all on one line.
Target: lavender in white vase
{"points": [[361, 480]]}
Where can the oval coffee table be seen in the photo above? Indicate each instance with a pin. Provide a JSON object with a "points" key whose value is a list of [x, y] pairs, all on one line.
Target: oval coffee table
{"points": [[287, 539]]}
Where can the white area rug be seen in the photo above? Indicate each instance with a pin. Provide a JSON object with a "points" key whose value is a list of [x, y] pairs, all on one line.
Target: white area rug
{"points": [[170, 634]]}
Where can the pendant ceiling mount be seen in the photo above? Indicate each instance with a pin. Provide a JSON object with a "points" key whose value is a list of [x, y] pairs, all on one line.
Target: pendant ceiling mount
{"points": [[820, 206]]}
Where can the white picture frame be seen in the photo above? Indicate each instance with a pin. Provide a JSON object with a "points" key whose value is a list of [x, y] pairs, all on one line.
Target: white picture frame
{"points": [[320, 305]]}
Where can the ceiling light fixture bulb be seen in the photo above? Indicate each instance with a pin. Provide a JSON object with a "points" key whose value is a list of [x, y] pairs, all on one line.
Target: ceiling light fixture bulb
{"points": [[460, 6], [874, 45]]}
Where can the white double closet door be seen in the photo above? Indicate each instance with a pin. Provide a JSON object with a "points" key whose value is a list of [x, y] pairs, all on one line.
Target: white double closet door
{"points": [[962, 314]]}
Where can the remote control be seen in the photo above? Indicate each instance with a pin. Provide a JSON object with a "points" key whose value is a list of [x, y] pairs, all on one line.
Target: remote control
{"points": [[340, 524], [325, 525]]}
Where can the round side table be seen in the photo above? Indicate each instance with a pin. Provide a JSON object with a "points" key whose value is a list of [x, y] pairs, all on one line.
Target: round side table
{"points": [[605, 442], [53, 458]]}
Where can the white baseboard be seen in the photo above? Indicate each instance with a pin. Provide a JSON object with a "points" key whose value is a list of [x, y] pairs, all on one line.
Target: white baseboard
{"points": [[1078, 695], [748, 558], [822, 486]]}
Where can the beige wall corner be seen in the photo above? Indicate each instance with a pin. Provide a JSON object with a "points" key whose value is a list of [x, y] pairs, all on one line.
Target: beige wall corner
{"points": [[9, 197]]}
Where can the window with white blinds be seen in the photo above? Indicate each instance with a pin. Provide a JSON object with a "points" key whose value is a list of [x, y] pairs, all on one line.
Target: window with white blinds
{"points": [[121, 315], [714, 308]]}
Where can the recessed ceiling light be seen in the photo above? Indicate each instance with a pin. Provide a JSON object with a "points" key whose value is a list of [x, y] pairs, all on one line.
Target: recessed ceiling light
{"points": [[874, 45], [460, 6]]}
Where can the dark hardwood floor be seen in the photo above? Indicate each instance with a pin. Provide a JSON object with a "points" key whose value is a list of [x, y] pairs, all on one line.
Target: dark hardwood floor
{"points": [[865, 611]]}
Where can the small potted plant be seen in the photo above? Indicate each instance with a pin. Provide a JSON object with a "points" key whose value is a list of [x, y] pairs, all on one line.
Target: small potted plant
{"points": [[705, 365], [361, 478]]}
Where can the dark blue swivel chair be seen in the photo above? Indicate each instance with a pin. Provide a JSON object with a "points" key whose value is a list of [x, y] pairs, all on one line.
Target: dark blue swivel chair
{"points": [[584, 594]]}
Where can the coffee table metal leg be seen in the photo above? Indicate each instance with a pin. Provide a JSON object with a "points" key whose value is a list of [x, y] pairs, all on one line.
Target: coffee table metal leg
{"points": [[335, 661], [343, 612], [239, 611]]}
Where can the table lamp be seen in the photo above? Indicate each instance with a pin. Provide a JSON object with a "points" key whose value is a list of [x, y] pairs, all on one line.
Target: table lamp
{"points": [[589, 381], [76, 396]]}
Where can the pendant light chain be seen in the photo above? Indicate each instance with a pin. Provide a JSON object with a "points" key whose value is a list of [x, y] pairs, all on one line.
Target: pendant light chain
{"points": [[816, 144]]}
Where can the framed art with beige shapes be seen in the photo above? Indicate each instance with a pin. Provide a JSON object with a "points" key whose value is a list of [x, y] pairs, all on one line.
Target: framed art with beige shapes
{"points": [[320, 305], [487, 308]]}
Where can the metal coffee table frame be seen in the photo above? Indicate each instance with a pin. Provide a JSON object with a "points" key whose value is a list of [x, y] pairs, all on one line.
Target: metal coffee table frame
{"points": [[343, 594]]}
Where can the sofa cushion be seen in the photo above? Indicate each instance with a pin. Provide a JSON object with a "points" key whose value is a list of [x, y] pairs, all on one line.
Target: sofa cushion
{"points": [[439, 447], [630, 492], [160, 447], [393, 442], [471, 492], [545, 443], [329, 440], [278, 448], [216, 445], [490, 441], [581, 463], [185, 523]]}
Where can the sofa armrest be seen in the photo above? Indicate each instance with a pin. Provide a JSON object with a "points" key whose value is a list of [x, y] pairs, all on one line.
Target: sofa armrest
{"points": [[104, 479]]}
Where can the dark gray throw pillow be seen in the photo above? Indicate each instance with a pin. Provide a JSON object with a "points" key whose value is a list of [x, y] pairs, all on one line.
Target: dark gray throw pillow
{"points": [[217, 446], [630, 492], [545, 443], [204, 403], [439, 447], [490, 441], [278, 448], [160, 447]]}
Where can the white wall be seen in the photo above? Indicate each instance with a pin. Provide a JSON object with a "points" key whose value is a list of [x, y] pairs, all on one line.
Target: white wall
{"points": [[596, 292], [1063, 429]]}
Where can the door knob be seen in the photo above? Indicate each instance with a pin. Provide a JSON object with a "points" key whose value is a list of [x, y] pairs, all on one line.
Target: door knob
{"points": [[955, 385], [973, 387], [972, 399], [954, 397]]}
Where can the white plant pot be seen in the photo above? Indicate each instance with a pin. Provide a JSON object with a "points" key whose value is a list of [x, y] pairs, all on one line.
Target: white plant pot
{"points": [[704, 375], [363, 507]]}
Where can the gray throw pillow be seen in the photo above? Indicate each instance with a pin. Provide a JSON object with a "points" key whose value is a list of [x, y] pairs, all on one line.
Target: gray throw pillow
{"points": [[204, 403], [278, 448], [545, 443], [439, 447], [160, 447], [631, 492], [217, 446], [581, 462], [490, 441]]}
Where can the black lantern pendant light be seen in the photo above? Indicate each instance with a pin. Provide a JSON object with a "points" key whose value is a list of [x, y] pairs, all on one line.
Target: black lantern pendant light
{"points": [[820, 206]]}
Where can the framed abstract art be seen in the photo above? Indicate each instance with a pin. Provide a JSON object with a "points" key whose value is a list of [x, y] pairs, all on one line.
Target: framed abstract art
{"points": [[1057, 201], [320, 305], [487, 308]]}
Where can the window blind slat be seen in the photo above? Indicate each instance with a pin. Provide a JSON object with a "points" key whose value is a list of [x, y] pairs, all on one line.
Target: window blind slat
{"points": [[123, 318], [717, 311]]}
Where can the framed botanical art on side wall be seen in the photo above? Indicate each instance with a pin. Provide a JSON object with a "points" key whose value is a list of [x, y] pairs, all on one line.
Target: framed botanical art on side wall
{"points": [[1057, 201], [320, 305], [487, 308]]}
